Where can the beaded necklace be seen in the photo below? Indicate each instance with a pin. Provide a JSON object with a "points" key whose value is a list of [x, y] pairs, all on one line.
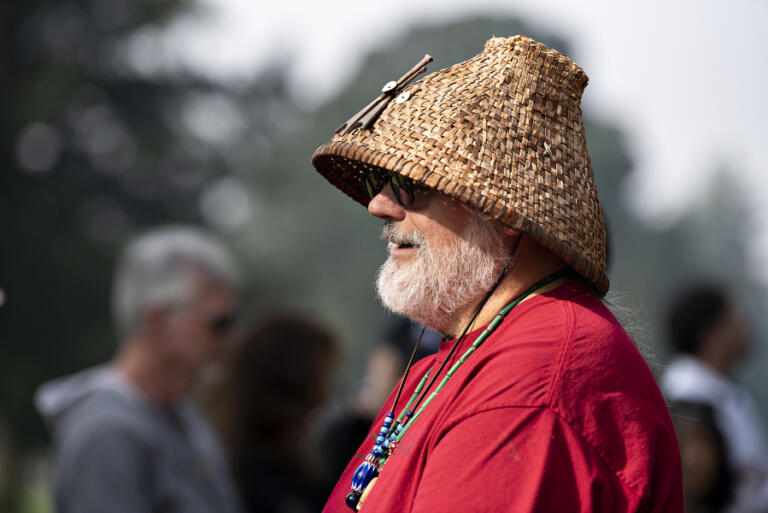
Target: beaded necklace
{"points": [[392, 431]]}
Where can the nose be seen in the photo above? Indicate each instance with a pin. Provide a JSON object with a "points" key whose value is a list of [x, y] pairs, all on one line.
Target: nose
{"points": [[385, 206]]}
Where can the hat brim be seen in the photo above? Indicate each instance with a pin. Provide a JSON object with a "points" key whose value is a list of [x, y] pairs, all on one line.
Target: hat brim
{"points": [[343, 165]]}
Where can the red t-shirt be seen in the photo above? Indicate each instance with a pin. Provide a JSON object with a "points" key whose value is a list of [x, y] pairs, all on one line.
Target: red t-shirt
{"points": [[555, 412]]}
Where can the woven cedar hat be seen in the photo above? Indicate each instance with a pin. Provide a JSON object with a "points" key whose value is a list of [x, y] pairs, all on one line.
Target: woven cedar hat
{"points": [[502, 133]]}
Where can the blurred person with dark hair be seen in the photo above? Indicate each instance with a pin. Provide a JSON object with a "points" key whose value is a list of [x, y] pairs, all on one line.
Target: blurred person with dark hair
{"points": [[707, 475], [266, 408], [384, 366], [708, 333], [126, 436]]}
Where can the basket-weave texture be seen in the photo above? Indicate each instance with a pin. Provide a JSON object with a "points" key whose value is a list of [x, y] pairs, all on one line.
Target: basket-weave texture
{"points": [[502, 133]]}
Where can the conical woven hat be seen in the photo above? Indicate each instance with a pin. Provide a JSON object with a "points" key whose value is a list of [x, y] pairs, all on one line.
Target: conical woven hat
{"points": [[501, 132]]}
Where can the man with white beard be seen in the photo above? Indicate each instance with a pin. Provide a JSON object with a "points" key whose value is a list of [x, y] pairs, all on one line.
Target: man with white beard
{"points": [[537, 399], [435, 282]]}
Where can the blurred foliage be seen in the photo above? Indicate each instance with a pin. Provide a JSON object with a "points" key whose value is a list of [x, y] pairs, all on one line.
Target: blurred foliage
{"points": [[96, 148], [93, 150]]}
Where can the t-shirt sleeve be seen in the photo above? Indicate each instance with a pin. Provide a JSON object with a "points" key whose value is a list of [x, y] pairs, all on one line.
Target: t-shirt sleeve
{"points": [[103, 469], [516, 460]]}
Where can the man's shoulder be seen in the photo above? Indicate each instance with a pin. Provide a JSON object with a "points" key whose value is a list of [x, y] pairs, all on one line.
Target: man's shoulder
{"points": [[568, 354], [104, 415], [688, 378], [527, 356], [570, 311], [578, 330], [595, 355], [566, 351]]}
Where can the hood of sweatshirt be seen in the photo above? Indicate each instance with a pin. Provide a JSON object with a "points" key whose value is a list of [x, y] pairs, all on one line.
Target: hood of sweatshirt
{"points": [[55, 399]]}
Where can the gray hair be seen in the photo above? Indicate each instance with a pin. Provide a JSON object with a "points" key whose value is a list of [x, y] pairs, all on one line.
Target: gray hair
{"points": [[157, 269], [636, 325]]}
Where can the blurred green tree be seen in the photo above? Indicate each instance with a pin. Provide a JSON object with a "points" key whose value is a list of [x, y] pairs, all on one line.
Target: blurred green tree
{"points": [[97, 144]]}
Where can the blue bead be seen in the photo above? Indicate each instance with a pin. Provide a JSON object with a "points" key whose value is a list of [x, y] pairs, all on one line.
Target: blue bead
{"points": [[360, 474], [385, 444], [352, 500], [379, 439], [409, 413], [363, 475], [358, 477]]}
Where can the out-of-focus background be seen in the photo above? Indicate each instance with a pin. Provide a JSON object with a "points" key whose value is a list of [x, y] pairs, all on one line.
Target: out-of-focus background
{"points": [[118, 115]]}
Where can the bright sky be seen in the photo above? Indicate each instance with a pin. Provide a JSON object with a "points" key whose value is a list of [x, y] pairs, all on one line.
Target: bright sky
{"points": [[686, 79]]}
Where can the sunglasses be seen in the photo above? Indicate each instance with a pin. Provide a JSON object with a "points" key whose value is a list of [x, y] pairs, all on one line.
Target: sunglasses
{"points": [[223, 323], [403, 188]]}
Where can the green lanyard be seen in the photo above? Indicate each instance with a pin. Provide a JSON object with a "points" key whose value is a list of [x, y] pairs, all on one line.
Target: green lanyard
{"points": [[399, 429]]}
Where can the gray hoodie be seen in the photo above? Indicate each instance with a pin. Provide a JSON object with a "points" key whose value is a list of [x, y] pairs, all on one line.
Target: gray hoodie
{"points": [[115, 452]]}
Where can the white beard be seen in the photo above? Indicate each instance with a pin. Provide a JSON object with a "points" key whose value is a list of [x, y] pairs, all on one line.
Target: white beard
{"points": [[443, 280]]}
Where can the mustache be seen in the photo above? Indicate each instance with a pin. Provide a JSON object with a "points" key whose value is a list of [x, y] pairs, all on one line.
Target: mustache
{"points": [[392, 235]]}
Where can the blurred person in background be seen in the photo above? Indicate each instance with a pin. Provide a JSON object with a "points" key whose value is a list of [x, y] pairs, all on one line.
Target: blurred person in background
{"points": [[384, 367], [126, 436], [538, 400], [709, 335], [266, 408], [707, 475]]}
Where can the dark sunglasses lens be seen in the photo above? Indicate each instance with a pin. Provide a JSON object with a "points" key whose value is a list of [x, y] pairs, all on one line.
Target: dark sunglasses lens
{"points": [[402, 187], [372, 187], [223, 323]]}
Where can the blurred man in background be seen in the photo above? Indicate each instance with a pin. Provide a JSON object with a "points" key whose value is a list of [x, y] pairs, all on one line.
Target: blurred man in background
{"points": [[708, 333], [127, 439]]}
